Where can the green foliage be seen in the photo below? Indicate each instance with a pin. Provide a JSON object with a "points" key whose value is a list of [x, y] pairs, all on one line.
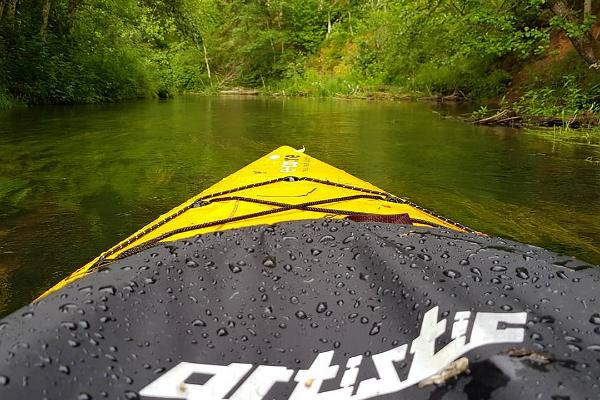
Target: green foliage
{"points": [[475, 81], [568, 87], [566, 100], [107, 50], [454, 46], [101, 50], [571, 28], [5, 100], [311, 83], [480, 113]]}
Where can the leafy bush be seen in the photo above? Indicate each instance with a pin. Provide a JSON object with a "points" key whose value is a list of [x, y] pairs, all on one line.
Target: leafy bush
{"points": [[569, 100], [567, 86], [5, 100], [473, 80]]}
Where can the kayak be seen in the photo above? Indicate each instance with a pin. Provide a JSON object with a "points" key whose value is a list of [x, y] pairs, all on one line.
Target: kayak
{"points": [[292, 279], [284, 185]]}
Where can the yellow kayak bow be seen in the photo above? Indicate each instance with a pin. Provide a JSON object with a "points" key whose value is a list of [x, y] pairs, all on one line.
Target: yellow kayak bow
{"points": [[284, 185]]}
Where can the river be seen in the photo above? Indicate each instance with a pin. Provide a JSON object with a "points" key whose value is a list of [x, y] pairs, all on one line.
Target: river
{"points": [[75, 180]]}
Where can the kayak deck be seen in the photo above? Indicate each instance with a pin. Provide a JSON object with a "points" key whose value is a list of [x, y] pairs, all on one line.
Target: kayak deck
{"points": [[284, 185]]}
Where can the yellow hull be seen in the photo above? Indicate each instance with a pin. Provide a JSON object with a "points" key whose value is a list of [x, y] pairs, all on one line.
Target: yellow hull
{"points": [[266, 181]]}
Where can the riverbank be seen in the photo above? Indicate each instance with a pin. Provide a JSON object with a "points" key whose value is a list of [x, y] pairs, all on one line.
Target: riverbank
{"points": [[584, 128], [531, 58], [585, 122]]}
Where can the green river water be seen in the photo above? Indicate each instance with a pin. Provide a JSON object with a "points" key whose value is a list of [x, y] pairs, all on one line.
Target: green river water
{"points": [[75, 180]]}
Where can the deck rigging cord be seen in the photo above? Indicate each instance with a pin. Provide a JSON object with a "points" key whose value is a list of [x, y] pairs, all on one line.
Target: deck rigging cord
{"points": [[280, 207]]}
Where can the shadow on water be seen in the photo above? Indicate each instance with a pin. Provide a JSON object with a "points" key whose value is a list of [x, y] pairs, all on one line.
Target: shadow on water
{"points": [[74, 180]]}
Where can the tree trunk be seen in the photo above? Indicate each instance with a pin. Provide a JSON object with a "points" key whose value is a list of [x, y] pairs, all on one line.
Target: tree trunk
{"points": [[587, 8], [206, 61], [12, 8], [279, 26], [350, 23], [2, 4], [45, 14], [585, 47], [584, 44], [73, 5]]}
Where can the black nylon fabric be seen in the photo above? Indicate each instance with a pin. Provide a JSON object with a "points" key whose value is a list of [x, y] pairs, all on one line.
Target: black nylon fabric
{"points": [[281, 295]]}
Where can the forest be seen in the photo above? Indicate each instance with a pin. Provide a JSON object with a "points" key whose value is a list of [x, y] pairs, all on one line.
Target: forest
{"points": [[533, 57]]}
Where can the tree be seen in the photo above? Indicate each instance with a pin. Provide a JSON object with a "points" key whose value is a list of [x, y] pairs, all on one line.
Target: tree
{"points": [[45, 15], [12, 8], [193, 26], [576, 20], [72, 11]]}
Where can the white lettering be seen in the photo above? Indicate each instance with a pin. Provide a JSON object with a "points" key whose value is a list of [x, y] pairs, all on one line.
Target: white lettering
{"points": [[351, 373], [172, 384], [289, 166], [426, 361], [461, 323], [488, 328], [486, 331], [388, 381], [310, 380], [261, 381]]}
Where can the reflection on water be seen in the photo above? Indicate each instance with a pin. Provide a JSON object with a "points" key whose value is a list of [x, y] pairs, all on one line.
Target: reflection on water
{"points": [[74, 180]]}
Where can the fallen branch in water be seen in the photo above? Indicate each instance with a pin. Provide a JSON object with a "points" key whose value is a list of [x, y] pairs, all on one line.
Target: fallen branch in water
{"points": [[239, 92], [456, 97], [508, 117], [503, 117]]}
